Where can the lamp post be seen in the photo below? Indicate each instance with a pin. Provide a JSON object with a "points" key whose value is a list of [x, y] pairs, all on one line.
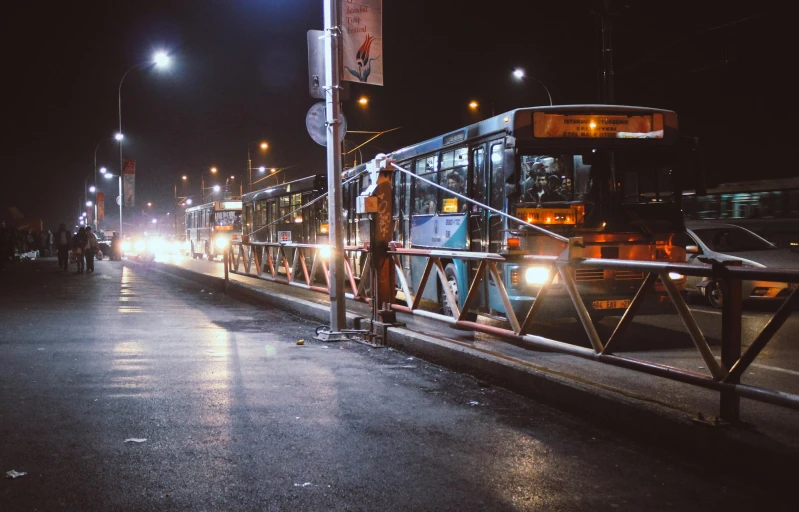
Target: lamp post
{"points": [[263, 146], [108, 175], [519, 74], [159, 60], [202, 184], [96, 220]]}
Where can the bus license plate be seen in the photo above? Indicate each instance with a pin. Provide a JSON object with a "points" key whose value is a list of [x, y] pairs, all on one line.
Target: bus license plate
{"points": [[611, 304]]}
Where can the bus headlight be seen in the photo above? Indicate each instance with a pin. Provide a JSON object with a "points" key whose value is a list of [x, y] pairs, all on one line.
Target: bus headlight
{"points": [[674, 276], [221, 243], [324, 252], [536, 275]]}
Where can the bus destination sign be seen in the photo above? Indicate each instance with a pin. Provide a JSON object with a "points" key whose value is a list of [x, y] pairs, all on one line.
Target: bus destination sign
{"points": [[593, 126]]}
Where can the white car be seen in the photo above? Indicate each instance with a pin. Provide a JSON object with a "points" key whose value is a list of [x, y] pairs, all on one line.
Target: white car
{"points": [[727, 242]]}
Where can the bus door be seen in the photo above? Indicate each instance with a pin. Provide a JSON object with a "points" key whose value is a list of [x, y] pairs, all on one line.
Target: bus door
{"points": [[478, 236], [496, 182]]}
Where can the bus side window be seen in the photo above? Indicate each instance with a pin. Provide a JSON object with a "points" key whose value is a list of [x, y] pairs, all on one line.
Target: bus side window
{"points": [[425, 197], [453, 177]]}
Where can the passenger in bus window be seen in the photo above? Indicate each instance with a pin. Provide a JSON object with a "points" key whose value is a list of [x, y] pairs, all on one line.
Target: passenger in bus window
{"points": [[455, 183], [552, 190], [568, 188], [533, 195]]}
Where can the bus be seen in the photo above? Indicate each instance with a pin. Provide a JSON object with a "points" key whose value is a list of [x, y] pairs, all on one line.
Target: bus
{"points": [[613, 175], [275, 215], [211, 227], [768, 207]]}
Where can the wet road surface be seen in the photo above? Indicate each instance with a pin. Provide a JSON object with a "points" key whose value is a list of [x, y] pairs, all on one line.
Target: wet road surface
{"points": [[237, 416]]}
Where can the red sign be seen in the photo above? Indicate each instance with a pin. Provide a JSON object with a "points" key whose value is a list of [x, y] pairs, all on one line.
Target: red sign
{"points": [[130, 167], [100, 206]]}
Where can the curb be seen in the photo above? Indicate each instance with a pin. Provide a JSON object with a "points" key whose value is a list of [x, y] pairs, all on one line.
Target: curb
{"points": [[729, 448]]}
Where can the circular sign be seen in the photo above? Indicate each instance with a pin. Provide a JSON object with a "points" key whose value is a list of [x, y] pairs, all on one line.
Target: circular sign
{"points": [[316, 123], [119, 200]]}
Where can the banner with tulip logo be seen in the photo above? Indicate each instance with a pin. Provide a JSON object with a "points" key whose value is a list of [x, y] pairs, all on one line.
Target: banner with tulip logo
{"points": [[362, 40]]}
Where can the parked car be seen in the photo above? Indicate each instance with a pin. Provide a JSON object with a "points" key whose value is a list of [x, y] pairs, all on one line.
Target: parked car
{"points": [[726, 242], [103, 244]]}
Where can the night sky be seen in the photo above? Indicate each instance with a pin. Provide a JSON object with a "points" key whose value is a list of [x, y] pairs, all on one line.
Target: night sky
{"points": [[239, 74]]}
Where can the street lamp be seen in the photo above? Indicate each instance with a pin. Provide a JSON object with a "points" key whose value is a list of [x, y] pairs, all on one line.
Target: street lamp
{"points": [[264, 146], [363, 101], [519, 74], [159, 60]]}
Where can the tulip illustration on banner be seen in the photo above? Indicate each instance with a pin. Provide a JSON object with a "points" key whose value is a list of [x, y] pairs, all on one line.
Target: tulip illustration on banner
{"points": [[363, 60]]}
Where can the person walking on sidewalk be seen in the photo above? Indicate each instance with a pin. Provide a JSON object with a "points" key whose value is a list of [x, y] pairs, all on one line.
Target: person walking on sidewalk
{"points": [[63, 240], [91, 249], [79, 242]]}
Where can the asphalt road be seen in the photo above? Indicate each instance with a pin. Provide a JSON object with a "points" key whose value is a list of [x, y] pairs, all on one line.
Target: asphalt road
{"points": [[661, 339], [237, 416]]}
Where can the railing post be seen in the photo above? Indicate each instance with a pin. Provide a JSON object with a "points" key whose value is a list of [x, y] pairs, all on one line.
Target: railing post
{"points": [[730, 403], [226, 262]]}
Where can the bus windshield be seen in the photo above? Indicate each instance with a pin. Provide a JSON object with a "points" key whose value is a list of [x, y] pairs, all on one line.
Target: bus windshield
{"points": [[228, 220], [640, 176], [622, 189]]}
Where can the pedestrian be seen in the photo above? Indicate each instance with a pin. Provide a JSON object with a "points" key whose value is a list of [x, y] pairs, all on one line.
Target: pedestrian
{"points": [[42, 244], [79, 242], [63, 239], [49, 243], [91, 249]]}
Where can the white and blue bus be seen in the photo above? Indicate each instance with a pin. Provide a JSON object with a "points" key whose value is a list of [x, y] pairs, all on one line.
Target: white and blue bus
{"points": [[211, 227], [610, 174]]}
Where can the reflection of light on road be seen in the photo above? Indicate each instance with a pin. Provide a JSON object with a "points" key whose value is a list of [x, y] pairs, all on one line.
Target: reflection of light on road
{"points": [[130, 375], [174, 259]]}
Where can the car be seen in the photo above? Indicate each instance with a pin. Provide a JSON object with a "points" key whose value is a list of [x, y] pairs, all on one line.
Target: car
{"points": [[103, 245], [708, 241]]}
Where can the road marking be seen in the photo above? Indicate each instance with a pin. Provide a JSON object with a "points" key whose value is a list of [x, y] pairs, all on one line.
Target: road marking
{"points": [[774, 368]]}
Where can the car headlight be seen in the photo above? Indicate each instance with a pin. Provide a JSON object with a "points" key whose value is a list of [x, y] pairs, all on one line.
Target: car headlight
{"points": [[536, 275], [125, 245], [139, 245], [221, 243]]}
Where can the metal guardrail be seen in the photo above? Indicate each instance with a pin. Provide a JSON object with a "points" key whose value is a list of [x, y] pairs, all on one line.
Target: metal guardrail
{"points": [[265, 260], [723, 376]]}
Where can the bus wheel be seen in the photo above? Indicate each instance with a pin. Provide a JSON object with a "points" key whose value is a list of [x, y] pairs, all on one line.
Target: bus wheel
{"points": [[452, 281], [713, 294]]}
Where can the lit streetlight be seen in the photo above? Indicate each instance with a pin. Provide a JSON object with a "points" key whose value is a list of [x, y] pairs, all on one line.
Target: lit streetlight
{"points": [[519, 74], [88, 203], [363, 101], [264, 146], [160, 60]]}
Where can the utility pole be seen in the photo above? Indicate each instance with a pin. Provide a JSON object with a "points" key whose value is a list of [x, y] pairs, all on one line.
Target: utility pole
{"points": [[607, 93], [333, 115]]}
